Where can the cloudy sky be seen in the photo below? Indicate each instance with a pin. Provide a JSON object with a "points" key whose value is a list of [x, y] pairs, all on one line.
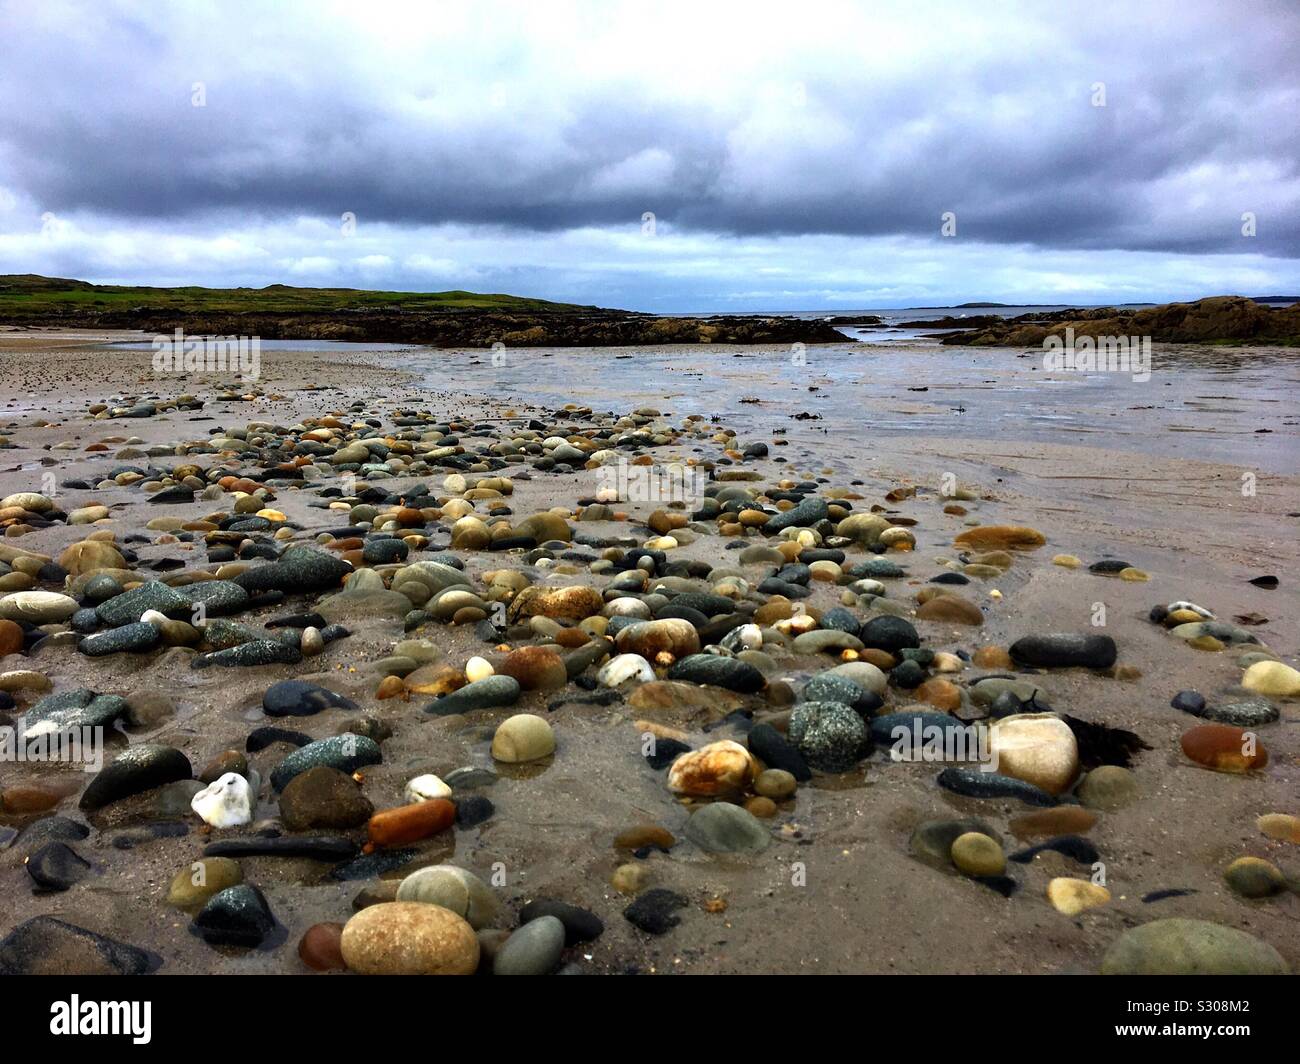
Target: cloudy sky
{"points": [[673, 157]]}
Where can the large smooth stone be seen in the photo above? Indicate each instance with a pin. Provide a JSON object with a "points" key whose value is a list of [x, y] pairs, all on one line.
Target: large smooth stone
{"points": [[489, 693], [1223, 748], [1272, 678], [409, 938], [46, 945], [725, 828], [1000, 537], [718, 671], [37, 607], [236, 916], [137, 769], [346, 752], [1179, 946], [523, 737], [831, 736], [723, 768], [297, 698], [1038, 748], [1065, 650], [534, 949], [456, 889]]}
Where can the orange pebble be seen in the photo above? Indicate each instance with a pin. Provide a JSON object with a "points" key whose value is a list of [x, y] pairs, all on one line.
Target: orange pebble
{"points": [[410, 823]]}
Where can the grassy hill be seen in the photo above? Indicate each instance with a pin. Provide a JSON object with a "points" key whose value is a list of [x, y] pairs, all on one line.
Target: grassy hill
{"points": [[30, 295]]}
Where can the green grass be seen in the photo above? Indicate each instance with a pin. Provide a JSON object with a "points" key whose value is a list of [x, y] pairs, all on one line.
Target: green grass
{"points": [[31, 294]]}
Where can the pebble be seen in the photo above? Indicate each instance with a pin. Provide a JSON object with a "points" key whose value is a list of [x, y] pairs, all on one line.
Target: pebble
{"points": [[297, 698], [522, 738], [725, 828], [533, 949], [1280, 826], [1072, 896], [455, 889], [193, 885], [977, 854], [1063, 820], [1065, 650], [775, 783], [1253, 877], [975, 783], [346, 752], [1179, 946], [236, 916], [830, 736], [580, 925], [1224, 748], [655, 911], [1109, 788], [321, 947], [490, 693], [46, 945], [227, 803], [139, 768], [1272, 678], [323, 797], [729, 673], [56, 866], [409, 938], [410, 823], [722, 768], [774, 750], [1038, 748]]}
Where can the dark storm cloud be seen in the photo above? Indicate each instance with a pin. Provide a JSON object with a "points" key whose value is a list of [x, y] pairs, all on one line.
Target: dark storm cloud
{"points": [[865, 125]]}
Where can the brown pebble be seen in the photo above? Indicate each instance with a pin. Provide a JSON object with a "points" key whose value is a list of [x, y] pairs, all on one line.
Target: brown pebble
{"points": [[321, 949]]}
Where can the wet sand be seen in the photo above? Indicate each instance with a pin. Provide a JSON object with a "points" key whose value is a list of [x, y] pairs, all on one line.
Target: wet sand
{"points": [[1166, 499]]}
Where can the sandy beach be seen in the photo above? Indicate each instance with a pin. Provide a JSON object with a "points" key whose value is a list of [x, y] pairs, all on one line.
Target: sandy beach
{"points": [[839, 888]]}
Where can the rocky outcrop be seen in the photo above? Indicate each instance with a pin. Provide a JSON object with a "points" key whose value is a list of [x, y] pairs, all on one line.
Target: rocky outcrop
{"points": [[1220, 319]]}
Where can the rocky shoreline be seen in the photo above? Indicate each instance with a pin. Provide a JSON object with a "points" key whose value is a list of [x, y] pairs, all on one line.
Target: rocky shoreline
{"points": [[1221, 319], [412, 684]]}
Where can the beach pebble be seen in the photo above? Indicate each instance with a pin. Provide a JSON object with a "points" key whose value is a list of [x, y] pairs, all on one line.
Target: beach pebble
{"points": [[453, 888], [1179, 946], [409, 938], [978, 855], [580, 925], [533, 949], [297, 698], [1280, 826], [725, 828], [1065, 650], [489, 693], [1224, 748], [346, 752], [193, 885], [225, 803], [1109, 788], [717, 671], [1253, 877], [1038, 748], [410, 823], [139, 768], [830, 736], [523, 737], [323, 797], [655, 911], [321, 947], [236, 916], [1273, 679], [719, 769], [426, 787], [1073, 896]]}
